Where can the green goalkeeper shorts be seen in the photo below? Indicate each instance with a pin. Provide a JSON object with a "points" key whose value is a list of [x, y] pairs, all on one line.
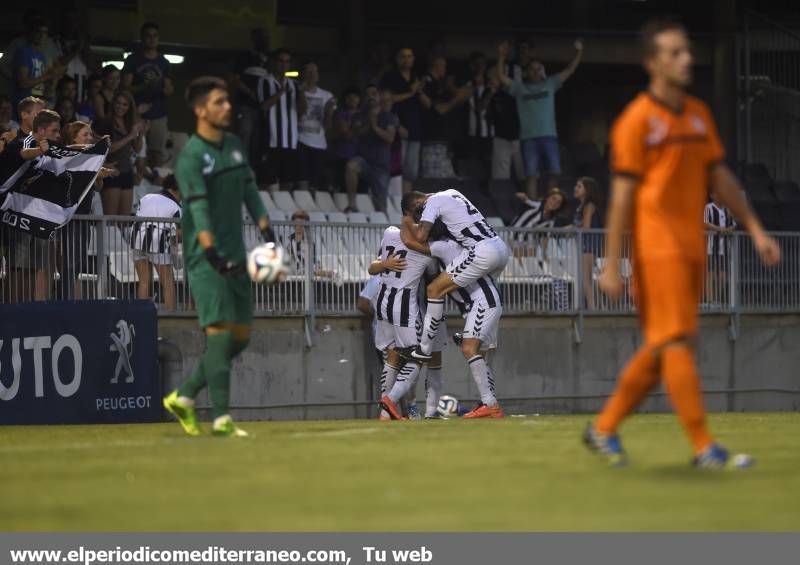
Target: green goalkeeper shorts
{"points": [[221, 299]]}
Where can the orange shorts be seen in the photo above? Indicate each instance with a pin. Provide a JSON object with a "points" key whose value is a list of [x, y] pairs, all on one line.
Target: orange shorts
{"points": [[668, 293]]}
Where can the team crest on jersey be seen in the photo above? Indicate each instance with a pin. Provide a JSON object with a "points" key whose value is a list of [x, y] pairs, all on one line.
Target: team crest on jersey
{"points": [[658, 131], [697, 123], [237, 155], [209, 163]]}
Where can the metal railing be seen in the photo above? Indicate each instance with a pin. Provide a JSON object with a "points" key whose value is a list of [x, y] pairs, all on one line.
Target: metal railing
{"points": [[550, 272]]}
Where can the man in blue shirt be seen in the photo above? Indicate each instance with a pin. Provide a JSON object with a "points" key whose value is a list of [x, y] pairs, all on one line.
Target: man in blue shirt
{"points": [[147, 75], [30, 72], [535, 95]]}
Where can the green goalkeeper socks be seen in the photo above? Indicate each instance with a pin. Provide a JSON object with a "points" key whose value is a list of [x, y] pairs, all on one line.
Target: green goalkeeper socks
{"points": [[214, 369]]}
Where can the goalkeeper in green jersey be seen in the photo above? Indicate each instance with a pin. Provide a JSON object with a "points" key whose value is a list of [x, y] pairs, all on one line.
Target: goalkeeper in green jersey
{"points": [[214, 179]]}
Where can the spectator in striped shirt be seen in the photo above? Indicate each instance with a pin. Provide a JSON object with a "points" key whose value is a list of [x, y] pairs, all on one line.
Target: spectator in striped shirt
{"points": [[538, 214], [718, 220], [155, 243], [283, 102]]}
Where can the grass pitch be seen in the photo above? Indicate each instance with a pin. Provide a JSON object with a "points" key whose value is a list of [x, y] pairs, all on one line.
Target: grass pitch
{"points": [[518, 474]]}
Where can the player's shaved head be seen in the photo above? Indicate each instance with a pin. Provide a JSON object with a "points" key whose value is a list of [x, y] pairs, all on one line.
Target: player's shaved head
{"points": [[198, 90]]}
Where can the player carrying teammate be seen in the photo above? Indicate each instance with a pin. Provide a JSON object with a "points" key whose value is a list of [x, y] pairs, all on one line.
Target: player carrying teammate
{"points": [[214, 179], [665, 155], [484, 254], [483, 305]]}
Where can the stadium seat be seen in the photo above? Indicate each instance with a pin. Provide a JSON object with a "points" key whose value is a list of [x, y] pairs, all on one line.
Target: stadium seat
{"points": [[364, 203], [276, 215], [316, 217], [340, 199], [760, 190], [769, 214], [786, 191], [304, 201], [395, 203], [502, 191], [337, 217], [756, 171], [357, 217], [495, 222], [395, 217], [284, 201], [252, 237], [790, 216], [436, 185], [266, 200], [325, 202], [378, 218], [472, 169]]}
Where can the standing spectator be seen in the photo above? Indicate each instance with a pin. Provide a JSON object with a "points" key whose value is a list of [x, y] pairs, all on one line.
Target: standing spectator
{"points": [[587, 217], [147, 75], [314, 123], [436, 126], [74, 236], [155, 243], [718, 220], [480, 130], [535, 96], [94, 84], [283, 102], [126, 131], [33, 253], [74, 47], [29, 64], [345, 138], [103, 99], [378, 127], [251, 68], [524, 52], [409, 100], [502, 114], [6, 113]]}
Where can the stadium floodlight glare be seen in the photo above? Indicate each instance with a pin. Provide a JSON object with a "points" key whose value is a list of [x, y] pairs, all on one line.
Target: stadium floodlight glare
{"points": [[118, 64], [174, 59]]}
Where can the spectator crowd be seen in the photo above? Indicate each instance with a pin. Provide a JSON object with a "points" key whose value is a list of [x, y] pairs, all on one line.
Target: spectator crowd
{"points": [[408, 116]]}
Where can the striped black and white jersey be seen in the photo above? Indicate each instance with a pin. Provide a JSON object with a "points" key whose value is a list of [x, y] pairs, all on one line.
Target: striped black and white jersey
{"points": [[152, 236], [282, 116], [717, 245], [464, 221], [533, 216], [479, 123], [484, 289], [397, 298]]}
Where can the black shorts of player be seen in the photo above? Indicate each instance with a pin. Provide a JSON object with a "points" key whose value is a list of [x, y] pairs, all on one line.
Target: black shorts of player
{"points": [[123, 181], [281, 166]]}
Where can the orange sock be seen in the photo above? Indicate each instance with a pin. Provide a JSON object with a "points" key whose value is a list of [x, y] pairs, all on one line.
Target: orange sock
{"points": [[683, 384], [635, 381]]}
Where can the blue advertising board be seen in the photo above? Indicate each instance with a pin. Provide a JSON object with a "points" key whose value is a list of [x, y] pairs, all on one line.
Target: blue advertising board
{"points": [[79, 362]]}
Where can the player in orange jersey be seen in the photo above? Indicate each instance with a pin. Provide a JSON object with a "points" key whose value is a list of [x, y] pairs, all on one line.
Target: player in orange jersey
{"points": [[666, 153]]}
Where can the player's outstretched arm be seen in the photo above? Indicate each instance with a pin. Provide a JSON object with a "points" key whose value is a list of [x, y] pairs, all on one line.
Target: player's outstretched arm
{"points": [[730, 193], [618, 220]]}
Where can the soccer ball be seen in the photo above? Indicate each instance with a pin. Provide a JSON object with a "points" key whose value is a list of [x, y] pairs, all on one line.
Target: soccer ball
{"points": [[268, 263], [447, 407]]}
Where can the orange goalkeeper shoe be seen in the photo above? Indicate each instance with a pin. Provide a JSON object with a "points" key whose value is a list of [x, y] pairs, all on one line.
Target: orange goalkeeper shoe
{"points": [[392, 408]]}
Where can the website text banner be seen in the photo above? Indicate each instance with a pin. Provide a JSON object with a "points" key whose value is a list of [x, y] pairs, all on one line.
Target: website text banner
{"points": [[79, 362], [405, 548]]}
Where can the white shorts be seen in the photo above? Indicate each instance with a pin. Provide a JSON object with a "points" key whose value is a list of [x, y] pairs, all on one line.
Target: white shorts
{"points": [[488, 257], [483, 322], [389, 336]]}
